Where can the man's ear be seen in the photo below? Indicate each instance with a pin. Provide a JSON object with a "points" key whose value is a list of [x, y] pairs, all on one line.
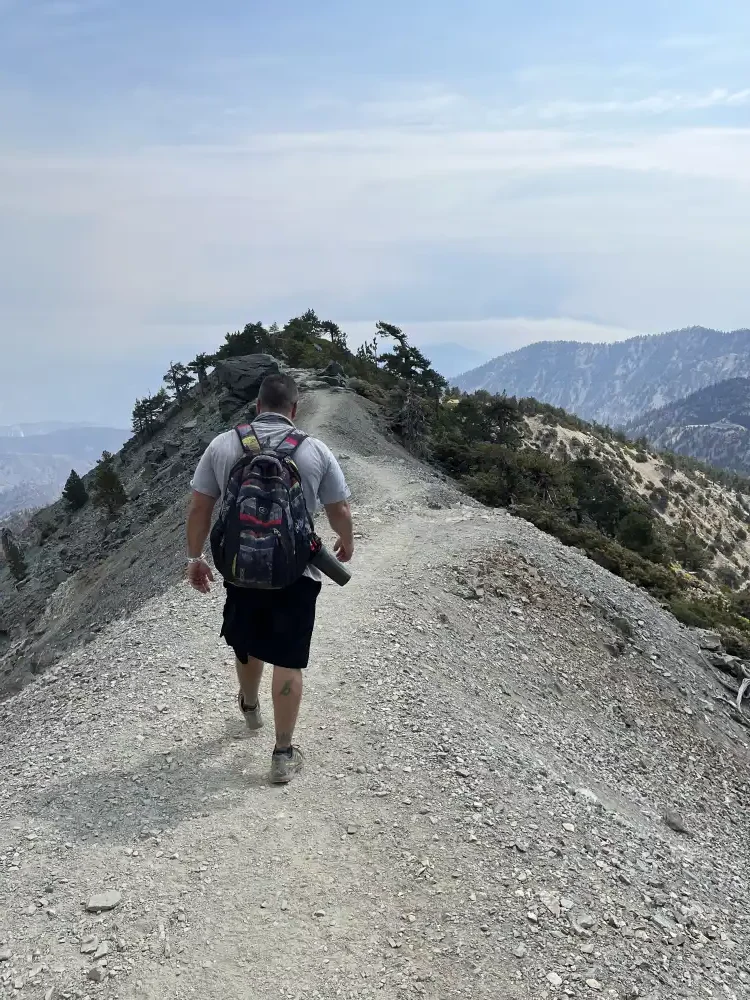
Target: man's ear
{"points": [[294, 410]]}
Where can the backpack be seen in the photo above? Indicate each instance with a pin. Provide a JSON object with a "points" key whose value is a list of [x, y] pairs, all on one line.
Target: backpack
{"points": [[264, 535]]}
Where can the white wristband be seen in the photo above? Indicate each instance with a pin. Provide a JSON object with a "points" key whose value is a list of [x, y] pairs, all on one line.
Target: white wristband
{"points": [[195, 559]]}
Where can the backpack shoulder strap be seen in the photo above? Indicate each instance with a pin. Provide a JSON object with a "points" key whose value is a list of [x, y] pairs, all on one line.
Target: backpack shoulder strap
{"points": [[248, 439], [290, 443]]}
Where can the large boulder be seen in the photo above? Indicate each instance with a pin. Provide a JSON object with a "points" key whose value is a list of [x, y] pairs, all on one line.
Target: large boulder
{"points": [[333, 369], [230, 406], [243, 376]]}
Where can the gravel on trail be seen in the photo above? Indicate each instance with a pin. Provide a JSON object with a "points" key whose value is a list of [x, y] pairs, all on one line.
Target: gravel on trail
{"points": [[521, 781]]}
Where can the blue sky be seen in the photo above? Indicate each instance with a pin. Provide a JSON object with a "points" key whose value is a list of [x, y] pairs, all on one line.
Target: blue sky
{"points": [[480, 173]]}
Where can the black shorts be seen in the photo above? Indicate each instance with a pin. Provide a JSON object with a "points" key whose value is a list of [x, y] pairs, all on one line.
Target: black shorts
{"points": [[275, 626]]}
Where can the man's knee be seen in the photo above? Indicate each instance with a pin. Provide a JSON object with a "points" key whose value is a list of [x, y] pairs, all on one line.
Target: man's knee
{"points": [[287, 679], [243, 660]]}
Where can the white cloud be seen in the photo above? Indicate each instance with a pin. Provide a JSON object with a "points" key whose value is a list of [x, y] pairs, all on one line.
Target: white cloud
{"points": [[638, 232], [655, 104], [317, 211]]}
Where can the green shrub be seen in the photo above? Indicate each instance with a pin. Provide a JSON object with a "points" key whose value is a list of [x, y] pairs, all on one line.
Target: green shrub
{"points": [[714, 613], [728, 577], [660, 500], [689, 549], [367, 389], [639, 532], [692, 613]]}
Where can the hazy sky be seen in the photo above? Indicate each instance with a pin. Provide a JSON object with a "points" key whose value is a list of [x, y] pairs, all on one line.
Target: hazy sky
{"points": [[487, 172]]}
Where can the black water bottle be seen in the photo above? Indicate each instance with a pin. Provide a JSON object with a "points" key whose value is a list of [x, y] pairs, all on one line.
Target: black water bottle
{"points": [[327, 563]]}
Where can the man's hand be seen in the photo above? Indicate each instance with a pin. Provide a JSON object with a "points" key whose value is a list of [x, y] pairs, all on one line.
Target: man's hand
{"points": [[344, 550], [198, 526], [200, 576], [340, 519]]}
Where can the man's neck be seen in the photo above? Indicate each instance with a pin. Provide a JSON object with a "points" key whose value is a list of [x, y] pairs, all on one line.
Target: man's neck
{"points": [[272, 415]]}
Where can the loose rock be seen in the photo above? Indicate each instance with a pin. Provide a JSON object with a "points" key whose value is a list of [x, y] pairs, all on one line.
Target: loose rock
{"points": [[89, 945], [103, 901], [675, 822]]}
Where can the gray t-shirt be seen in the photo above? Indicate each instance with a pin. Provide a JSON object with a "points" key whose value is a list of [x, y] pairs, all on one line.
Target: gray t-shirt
{"points": [[323, 481]]}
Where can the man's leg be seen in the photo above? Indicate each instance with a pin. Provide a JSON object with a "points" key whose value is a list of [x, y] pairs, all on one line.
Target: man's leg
{"points": [[287, 695], [249, 675]]}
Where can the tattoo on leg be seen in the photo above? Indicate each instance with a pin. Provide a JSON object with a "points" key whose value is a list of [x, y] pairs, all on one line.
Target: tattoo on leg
{"points": [[287, 689], [283, 740]]}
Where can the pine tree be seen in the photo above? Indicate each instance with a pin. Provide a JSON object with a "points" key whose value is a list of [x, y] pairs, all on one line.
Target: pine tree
{"points": [[200, 365], [156, 405], [304, 327], [139, 416], [408, 363], [13, 555], [147, 410], [74, 494], [108, 491], [253, 339], [368, 352], [334, 331], [179, 379]]}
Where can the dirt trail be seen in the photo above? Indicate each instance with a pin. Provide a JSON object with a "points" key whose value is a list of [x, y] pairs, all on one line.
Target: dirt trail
{"points": [[481, 810]]}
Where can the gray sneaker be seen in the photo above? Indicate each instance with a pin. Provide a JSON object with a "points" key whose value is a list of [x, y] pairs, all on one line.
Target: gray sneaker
{"points": [[285, 765], [253, 718]]}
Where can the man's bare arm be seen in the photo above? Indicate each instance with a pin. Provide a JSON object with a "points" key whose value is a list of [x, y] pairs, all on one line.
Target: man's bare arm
{"points": [[199, 522], [198, 527], [340, 519]]}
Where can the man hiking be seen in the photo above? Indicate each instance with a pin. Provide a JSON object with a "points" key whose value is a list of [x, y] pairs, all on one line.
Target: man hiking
{"points": [[272, 477]]}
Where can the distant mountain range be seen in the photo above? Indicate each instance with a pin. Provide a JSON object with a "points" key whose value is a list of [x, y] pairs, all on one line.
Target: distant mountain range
{"points": [[615, 383], [42, 427], [36, 459], [712, 425]]}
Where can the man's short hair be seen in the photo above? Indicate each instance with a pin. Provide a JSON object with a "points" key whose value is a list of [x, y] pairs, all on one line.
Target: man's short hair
{"points": [[278, 393]]}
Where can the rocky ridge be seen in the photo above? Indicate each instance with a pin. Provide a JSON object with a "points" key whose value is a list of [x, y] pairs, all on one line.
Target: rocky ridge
{"points": [[524, 779]]}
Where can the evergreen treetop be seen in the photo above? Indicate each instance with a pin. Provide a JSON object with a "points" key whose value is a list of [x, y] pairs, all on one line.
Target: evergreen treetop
{"points": [[74, 494]]}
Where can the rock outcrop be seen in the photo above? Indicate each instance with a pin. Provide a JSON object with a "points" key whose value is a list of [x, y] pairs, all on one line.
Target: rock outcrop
{"points": [[241, 378]]}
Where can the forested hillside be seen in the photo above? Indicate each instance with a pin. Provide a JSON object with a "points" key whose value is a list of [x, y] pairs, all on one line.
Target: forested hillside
{"points": [[712, 425], [614, 383]]}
